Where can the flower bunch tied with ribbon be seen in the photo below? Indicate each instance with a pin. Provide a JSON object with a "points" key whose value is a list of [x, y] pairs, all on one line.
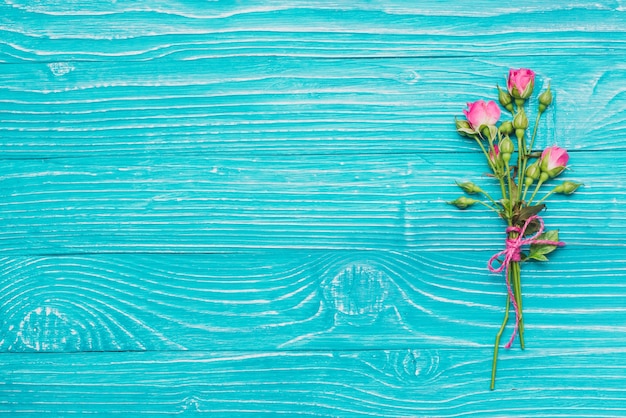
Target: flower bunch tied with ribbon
{"points": [[519, 171]]}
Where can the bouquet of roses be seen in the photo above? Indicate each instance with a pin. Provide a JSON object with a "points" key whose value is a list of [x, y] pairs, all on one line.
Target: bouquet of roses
{"points": [[520, 171]]}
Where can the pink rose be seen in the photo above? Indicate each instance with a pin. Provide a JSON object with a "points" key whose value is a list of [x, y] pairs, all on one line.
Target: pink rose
{"points": [[553, 161], [481, 114], [521, 82]]}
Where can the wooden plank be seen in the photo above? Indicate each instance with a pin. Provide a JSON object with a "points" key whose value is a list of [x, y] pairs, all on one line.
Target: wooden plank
{"points": [[295, 300], [296, 106], [403, 383], [217, 204], [265, 187], [121, 30]]}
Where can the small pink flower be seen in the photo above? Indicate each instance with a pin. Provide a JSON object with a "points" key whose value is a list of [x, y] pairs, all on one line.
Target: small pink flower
{"points": [[494, 154], [481, 113], [553, 161], [521, 82]]}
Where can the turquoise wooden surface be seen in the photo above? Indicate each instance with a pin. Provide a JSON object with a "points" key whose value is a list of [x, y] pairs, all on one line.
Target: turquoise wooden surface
{"points": [[239, 209]]}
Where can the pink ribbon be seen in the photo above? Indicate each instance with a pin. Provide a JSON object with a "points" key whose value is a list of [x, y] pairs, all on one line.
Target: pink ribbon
{"points": [[512, 252]]}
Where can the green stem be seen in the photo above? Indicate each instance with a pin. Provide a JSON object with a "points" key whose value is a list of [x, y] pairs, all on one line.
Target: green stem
{"points": [[489, 207], [497, 343], [539, 183], [525, 191], [482, 147], [530, 150], [512, 199], [516, 280], [503, 191], [532, 139], [484, 193], [521, 157], [545, 197]]}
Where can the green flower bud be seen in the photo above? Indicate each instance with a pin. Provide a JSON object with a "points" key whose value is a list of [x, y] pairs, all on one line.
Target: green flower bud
{"points": [[469, 187], [505, 99], [567, 187], [520, 121], [545, 99], [506, 145], [533, 172], [464, 128], [506, 149], [506, 128], [463, 202]]}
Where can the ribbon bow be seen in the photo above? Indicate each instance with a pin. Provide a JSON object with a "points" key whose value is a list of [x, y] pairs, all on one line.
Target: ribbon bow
{"points": [[512, 253]]}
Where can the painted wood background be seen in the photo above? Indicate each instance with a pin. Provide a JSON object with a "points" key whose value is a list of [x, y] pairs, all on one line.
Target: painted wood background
{"points": [[238, 208]]}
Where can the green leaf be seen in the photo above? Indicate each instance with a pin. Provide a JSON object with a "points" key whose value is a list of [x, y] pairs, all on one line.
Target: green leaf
{"points": [[538, 257], [538, 251], [549, 236], [529, 211], [521, 215]]}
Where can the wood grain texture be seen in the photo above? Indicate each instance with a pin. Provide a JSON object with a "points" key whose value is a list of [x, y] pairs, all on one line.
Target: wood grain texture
{"points": [[286, 105], [122, 30], [399, 383], [201, 203], [238, 209], [294, 300]]}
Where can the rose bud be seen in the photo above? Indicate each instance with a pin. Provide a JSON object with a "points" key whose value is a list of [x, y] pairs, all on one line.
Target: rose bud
{"points": [[567, 187], [506, 145], [505, 99], [553, 161], [495, 157], [533, 172], [521, 83], [469, 187], [506, 128], [520, 123], [506, 149], [463, 128], [480, 114], [545, 99], [463, 202]]}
